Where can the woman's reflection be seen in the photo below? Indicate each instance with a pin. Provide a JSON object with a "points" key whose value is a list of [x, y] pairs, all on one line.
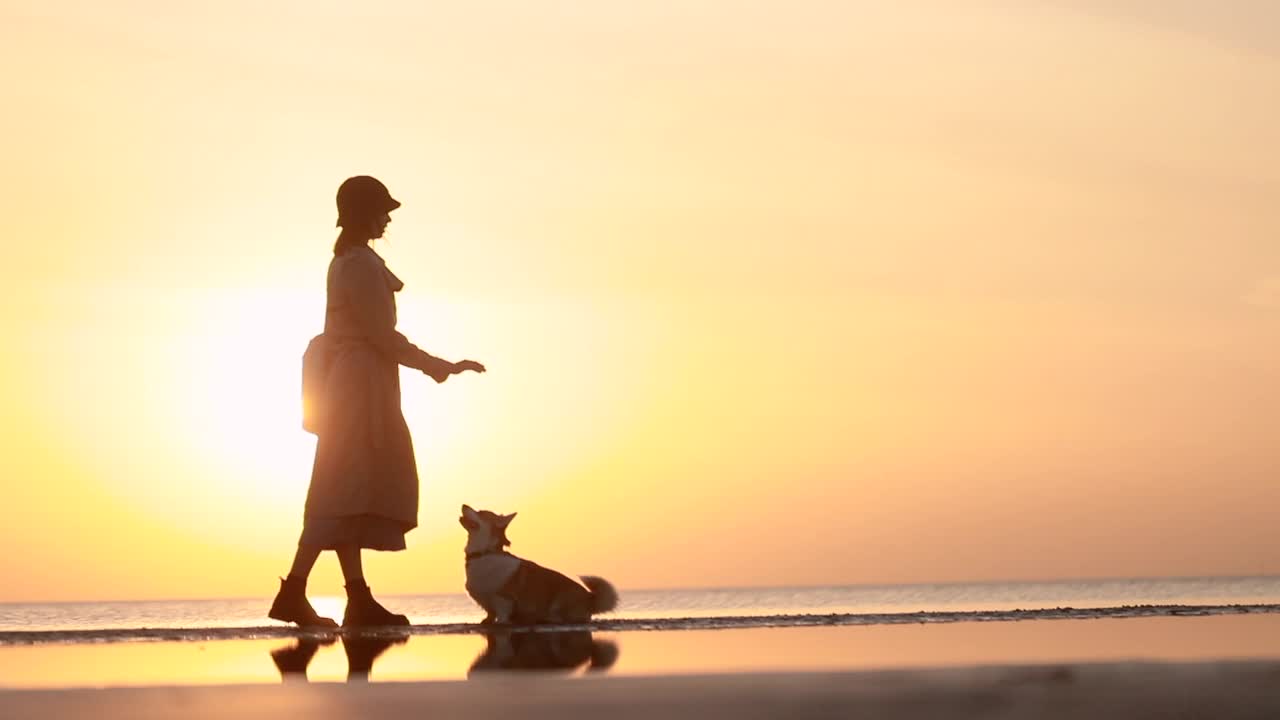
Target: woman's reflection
{"points": [[550, 650], [361, 650], [292, 660], [505, 650]]}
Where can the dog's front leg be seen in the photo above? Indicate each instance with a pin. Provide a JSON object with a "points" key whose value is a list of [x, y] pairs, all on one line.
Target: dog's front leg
{"points": [[503, 607]]}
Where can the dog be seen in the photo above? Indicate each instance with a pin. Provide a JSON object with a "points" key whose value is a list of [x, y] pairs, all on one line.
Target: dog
{"points": [[519, 592]]}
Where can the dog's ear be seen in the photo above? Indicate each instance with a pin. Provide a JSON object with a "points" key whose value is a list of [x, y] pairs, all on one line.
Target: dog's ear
{"points": [[505, 520], [469, 513]]}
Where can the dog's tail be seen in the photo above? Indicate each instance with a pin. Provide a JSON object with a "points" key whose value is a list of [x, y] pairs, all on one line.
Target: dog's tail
{"points": [[603, 597]]}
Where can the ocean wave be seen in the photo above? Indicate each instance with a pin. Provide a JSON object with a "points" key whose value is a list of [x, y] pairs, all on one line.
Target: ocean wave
{"points": [[728, 622]]}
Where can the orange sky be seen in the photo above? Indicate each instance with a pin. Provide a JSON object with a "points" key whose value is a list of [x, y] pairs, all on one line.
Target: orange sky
{"points": [[769, 293]]}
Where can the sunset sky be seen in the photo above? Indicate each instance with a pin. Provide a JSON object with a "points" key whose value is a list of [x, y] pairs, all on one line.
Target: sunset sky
{"points": [[770, 293]]}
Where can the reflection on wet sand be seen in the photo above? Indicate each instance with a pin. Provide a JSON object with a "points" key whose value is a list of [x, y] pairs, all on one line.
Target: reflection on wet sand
{"points": [[449, 656], [549, 651], [505, 650], [292, 660], [361, 650]]}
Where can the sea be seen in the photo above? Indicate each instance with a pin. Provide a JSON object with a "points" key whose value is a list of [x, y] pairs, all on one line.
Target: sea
{"points": [[675, 609]]}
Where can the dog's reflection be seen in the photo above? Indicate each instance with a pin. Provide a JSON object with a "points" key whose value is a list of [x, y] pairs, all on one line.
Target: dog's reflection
{"points": [[292, 660], [545, 650]]}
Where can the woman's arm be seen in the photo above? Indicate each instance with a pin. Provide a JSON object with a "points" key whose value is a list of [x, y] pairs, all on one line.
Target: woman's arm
{"points": [[367, 291]]}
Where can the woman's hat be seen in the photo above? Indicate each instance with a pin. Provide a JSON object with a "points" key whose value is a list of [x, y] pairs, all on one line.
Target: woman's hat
{"points": [[362, 196]]}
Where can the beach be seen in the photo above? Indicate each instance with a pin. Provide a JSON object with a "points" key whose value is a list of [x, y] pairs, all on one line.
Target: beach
{"points": [[1198, 690], [1173, 666], [804, 360]]}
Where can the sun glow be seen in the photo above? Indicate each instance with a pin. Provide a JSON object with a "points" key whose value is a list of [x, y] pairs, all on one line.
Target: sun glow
{"points": [[238, 378], [241, 412], [233, 391]]}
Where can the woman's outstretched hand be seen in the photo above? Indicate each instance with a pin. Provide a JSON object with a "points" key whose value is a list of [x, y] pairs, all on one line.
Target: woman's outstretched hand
{"points": [[466, 365], [440, 375]]}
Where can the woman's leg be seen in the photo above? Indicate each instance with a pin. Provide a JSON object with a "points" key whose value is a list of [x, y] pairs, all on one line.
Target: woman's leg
{"points": [[291, 603], [304, 560], [362, 609], [352, 567]]}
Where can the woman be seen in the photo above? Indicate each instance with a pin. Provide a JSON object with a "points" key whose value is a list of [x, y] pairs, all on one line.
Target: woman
{"points": [[364, 483]]}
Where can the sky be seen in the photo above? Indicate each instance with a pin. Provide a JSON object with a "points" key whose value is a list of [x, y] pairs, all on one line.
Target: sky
{"points": [[769, 293]]}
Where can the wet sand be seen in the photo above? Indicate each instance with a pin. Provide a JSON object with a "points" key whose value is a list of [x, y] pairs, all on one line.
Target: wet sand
{"points": [[1130, 691], [1185, 667], [677, 652]]}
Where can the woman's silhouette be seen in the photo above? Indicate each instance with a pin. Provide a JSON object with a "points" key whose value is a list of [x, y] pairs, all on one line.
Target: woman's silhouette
{"points": [[364, 483]]}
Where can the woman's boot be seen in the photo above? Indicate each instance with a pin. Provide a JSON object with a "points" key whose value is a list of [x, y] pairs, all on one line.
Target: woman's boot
{"points": [[291, 605], [364, 611]]}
